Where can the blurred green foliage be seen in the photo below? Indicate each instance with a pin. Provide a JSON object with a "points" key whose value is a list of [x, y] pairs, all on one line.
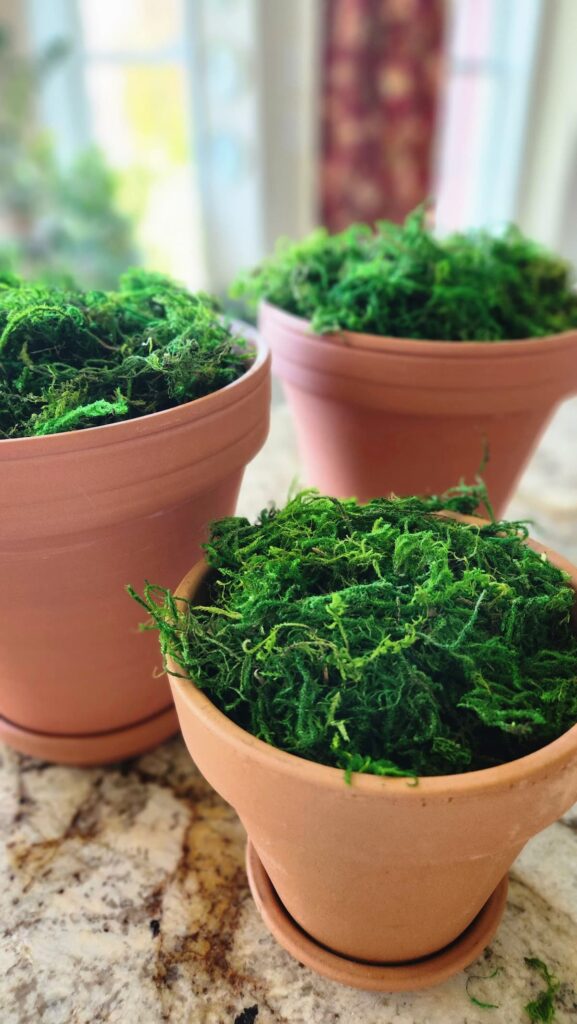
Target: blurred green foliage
{"points": [[53, 219]]}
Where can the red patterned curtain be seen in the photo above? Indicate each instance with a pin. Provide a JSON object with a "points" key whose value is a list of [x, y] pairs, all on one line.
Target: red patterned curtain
{"points": [[382, 73]]}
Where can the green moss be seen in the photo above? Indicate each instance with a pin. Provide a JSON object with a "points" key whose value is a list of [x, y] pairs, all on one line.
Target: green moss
{"points": [[71, 359], [401, 281], [542, 1009], [483, 1004], [380, 638]]}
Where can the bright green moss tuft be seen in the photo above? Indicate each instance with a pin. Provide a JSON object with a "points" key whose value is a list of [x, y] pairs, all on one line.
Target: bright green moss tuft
{"points": [[401, 281], [71, 359], [380, 638]]}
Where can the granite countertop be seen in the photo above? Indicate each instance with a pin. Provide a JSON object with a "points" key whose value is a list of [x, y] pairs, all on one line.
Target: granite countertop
{"points": [[123, 896]]}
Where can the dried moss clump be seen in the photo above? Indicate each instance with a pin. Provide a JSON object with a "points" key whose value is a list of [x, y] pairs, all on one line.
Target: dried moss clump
{"points": [[401, 281], [380, 638], [72, 359]]}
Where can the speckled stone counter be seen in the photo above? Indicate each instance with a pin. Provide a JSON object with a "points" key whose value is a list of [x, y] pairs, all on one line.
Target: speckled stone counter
{"points": [[123, 896]]}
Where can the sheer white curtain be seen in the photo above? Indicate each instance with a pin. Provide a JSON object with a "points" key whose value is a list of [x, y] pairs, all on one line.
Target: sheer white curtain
{"points": [[491, 60]]}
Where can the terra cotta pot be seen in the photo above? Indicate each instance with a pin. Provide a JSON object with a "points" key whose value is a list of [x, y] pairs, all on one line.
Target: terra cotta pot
{"points": [[81, 515], [377, 415], [383, 883]]}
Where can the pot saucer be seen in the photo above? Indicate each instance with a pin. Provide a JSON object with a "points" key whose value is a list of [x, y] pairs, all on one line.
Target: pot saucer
{"points": [[92, 748], [408, 976]]}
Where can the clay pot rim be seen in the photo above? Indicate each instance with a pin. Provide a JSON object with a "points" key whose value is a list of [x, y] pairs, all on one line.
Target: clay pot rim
{"points": [[111, 433], [536, 765], [418, 347]]}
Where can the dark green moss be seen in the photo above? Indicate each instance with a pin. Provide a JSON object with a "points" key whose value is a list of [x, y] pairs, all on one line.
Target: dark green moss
{"points": [[401, 281], [380, 638], [72, 359], [541, 1010]]}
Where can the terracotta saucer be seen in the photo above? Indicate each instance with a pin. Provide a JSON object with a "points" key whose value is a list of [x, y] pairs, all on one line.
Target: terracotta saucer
{"points": [[93, 748], [405, 977]]}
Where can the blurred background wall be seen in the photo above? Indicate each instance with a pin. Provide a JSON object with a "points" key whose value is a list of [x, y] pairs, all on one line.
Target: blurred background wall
{"points": [[190, 134]]}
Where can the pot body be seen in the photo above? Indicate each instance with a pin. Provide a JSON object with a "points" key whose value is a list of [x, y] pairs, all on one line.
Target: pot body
{"points": [[379, 415], [381, 870], [82, 515]]}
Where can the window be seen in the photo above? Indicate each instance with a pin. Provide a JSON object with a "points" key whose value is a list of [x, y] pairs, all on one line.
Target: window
{"points": [[207, 110], [124, 87], [491, 59]]}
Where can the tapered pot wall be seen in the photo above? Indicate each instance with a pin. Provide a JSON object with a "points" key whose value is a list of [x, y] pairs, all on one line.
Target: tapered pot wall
{"points": [[380, 415], [380, 870], [82, 515]]}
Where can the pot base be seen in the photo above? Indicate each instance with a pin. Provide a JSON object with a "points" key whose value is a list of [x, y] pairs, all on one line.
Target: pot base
{"points": [[92, 748], [405, 977]]}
